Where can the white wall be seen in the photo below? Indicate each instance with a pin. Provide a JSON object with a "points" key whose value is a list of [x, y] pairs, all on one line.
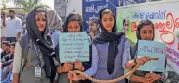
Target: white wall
{"points": [[74, 5]]}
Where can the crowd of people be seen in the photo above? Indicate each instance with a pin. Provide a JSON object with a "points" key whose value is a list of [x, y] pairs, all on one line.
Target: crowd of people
{"points": [[11, 28], [33, 57]]}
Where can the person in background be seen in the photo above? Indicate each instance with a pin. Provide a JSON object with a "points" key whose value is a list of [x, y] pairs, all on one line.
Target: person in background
{"points": [[13, 27], [125, 25], [3, 23], [6, 49], [8, 61], [9, 58], [146, 31], [125, 29], [93, 27], [54, 24], [55, 21]]}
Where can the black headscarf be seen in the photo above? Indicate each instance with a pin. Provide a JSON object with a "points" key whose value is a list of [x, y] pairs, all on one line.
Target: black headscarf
{"points": [[111, 38], [73, 17], [43, 41]]}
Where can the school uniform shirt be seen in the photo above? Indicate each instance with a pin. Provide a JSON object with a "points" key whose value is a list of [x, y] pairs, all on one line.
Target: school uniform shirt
{"points": [[99, 61], [27, 73]]}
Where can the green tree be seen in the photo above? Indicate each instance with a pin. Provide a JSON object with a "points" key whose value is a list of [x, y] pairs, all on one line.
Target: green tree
{"points": [[3, 4], [27, 5]]}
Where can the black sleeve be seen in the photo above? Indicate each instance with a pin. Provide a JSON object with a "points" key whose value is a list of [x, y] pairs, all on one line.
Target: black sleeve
{"points": [[2, 55], [132, 52], [87, 65], [57, 53]]}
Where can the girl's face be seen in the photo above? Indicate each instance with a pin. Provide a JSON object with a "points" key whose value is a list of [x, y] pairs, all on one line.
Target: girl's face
{"points": [[40, 21], [73, 26], [93, 26], [108, 21], [126, 24], [147, 32]]}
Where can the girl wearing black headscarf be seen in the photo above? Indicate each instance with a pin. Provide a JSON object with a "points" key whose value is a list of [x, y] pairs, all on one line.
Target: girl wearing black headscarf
{"points": [[73, 23], [110, 51], [145, 31], [34, 57]]}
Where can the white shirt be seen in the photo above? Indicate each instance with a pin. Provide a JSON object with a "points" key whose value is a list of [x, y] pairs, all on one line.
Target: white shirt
{"points": [[13, 26]]}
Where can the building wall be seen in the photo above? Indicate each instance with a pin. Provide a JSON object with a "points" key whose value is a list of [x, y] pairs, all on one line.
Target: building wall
{"points": [[60, 8], [64, 7], [74, 5]]}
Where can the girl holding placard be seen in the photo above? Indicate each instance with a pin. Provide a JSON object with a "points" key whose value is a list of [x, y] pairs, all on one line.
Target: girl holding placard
{"points": [[145, 31], [73, 23]]}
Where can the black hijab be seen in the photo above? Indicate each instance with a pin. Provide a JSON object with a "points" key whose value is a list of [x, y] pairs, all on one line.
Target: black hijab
{"points": [[108, 37], [42, 41], [73, 17]]}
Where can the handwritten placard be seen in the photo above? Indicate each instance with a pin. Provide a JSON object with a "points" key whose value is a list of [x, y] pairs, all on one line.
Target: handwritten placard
{"points": [[152, 49], [74, 46]]}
